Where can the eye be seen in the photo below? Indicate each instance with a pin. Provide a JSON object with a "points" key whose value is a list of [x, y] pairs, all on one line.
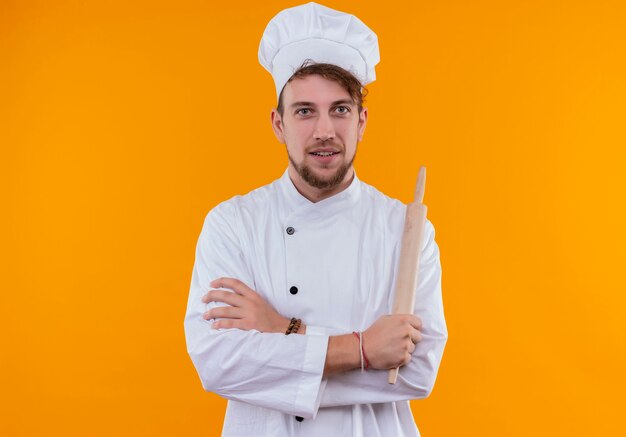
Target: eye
{"points": [[342, 109], [303, 111]]}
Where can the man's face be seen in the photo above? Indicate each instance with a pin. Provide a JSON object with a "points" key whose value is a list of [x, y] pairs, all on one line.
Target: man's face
{"points": [[320, 127]]}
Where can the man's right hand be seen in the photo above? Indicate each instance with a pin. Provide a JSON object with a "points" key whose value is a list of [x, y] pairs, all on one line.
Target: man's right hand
{"points": [[391, 340], [388, 344]]}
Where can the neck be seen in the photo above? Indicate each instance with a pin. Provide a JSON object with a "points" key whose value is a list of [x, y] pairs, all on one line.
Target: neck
{"points": [[316, 194]]}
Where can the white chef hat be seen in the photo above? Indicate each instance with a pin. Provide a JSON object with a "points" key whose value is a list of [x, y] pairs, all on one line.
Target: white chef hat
{"points": [[315, 32]]}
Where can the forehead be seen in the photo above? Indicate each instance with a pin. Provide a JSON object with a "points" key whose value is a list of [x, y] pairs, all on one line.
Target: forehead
{"points": [[315, 89]]}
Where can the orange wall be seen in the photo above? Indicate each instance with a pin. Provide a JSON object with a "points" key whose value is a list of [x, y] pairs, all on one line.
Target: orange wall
{"points": [[122, 123]]}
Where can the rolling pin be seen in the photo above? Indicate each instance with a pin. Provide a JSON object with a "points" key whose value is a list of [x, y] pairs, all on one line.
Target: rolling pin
{"points": [[408, 266]]}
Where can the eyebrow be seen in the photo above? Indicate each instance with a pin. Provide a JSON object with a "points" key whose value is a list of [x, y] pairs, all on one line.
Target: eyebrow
{"points": [[335, 103]]}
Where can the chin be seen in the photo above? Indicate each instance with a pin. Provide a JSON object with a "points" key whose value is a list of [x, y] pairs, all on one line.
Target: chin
{"points": [[322, 178]]}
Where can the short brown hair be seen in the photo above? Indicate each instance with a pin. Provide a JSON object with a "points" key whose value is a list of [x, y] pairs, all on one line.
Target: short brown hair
{"points": [[332, 72]]}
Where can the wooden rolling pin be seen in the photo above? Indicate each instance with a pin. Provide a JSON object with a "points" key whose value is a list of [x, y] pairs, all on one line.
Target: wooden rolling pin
{"points": [[408, 267]]}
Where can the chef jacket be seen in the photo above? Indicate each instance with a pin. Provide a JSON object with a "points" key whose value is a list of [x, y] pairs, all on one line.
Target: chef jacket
{"points": [[332, 264]]}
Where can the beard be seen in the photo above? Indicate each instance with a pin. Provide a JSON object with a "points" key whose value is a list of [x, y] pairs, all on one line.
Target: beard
{"points": [[309, 176]]}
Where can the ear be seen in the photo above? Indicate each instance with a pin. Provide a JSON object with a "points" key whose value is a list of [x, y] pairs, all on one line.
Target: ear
{"points": [[277, 126], [362, 123]]}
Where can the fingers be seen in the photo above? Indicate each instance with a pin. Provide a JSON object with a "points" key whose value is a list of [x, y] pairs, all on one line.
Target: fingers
{"points": [[415, 321], [416, 337], [223, 296], [232, 284], [227, 324], [407, 359], [414, 325], [223, 313]]}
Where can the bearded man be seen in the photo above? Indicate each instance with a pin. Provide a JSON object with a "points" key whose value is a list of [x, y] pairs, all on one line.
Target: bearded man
{"points": [[288, 312]]}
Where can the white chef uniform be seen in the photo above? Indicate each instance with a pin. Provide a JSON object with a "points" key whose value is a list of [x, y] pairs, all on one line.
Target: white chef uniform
{"points": [[332, 264]]}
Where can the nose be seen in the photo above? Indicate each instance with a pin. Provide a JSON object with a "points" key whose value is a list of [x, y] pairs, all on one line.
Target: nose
{"points": [[324, 129]]}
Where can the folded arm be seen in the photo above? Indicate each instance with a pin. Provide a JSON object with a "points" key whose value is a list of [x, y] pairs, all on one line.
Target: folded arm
{"points": [[416, 378], [417, 343], [271, 370]]}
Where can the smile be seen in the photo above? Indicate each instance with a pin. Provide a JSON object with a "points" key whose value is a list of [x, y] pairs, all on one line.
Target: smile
{"points": [[324, 153]]}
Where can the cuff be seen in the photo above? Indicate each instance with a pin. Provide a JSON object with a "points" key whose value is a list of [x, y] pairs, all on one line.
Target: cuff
{"points": [[310, 387], [315, 330]]}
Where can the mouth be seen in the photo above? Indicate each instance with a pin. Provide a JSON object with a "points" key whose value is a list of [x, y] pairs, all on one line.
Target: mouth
{"points": [[324, 156], [324, 153]]}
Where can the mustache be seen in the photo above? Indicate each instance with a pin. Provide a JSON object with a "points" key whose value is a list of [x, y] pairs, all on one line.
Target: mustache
{"points": [[337, 146]]}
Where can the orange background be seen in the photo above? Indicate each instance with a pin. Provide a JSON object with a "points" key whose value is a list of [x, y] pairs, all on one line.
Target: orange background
{"points": [[122, 123]]}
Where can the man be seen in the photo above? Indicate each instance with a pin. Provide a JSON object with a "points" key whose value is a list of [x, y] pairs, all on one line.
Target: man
{"points": [[314, 255]]}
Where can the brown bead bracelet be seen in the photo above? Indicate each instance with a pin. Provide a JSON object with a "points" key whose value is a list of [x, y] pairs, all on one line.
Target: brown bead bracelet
{"points": [[294, 326]]}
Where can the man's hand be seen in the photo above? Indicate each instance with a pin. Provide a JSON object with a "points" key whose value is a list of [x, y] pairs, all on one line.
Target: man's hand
{"points": [[391, 340], [247, 310], [388, 344]]}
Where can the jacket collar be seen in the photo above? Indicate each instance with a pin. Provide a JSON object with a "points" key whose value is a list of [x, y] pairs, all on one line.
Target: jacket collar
{"points": [[297, 201]]}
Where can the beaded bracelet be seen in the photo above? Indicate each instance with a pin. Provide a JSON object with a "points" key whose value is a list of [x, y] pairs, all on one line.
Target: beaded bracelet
{"points": [[294, 326]]}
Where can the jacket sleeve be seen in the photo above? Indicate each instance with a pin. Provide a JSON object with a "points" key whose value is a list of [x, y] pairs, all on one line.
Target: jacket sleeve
{"points": [[416, 379], [269, 370]]}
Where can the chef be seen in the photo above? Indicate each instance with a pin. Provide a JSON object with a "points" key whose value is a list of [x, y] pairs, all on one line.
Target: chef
{"points": [[292, 287]]}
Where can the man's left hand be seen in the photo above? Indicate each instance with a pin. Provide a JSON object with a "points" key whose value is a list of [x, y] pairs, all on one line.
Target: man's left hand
{"points": [[247, 310]]}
